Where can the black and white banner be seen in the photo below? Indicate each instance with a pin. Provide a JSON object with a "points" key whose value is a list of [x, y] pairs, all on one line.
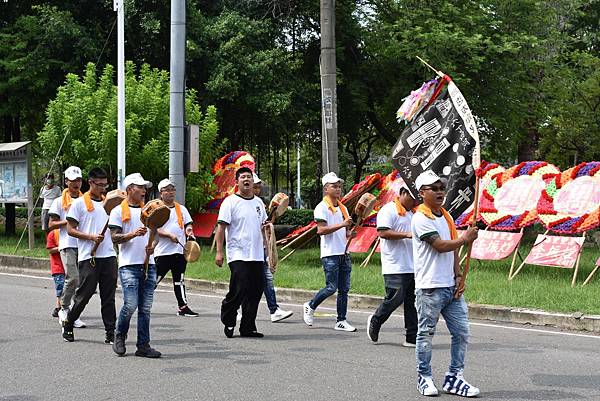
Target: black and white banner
{"points": [[443, 137]]}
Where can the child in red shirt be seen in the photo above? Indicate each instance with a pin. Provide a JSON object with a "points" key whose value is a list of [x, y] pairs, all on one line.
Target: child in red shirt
{"points": [[56, 267]]}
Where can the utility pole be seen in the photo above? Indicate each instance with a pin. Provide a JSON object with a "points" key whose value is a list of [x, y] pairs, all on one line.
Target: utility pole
{"points": [[329, 140], [177, 98], [119, 7]]}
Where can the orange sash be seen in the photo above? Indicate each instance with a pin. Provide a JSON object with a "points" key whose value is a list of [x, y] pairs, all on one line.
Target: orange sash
{"points": [[88, 201], [67, 200], [427, 212], [332, 208], [126, 215], [179, 215], [56, 235]]}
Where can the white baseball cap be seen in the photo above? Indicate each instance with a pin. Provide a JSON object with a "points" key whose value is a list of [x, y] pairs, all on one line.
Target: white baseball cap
{"points": [[255, 178], [165, 183], [73, 173], [427, 177], [331, 178], [136, 179]]}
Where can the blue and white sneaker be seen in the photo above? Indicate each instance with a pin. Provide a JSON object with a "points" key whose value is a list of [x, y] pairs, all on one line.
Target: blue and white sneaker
{"points": [[455, 383], [426, 386]]}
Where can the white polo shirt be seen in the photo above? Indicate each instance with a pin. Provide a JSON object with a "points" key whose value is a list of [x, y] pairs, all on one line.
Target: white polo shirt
{"points": [[167, 247], [91, 223], [335, 242], [132, 252], [396, 255], [57, 211], [243, 233], [432, 268]]}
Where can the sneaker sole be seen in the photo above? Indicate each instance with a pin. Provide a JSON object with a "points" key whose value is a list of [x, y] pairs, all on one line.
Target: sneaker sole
{"points": [[346, 330], [280, 319], [368, 326], [186, 315]]}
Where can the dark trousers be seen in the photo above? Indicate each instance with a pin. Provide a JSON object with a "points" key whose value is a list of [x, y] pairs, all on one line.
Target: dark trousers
{"points": [[176, 264], [245, 288], [103, 274], [399, 289]]}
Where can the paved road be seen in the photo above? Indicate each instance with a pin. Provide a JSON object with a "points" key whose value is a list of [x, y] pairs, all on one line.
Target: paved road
{"points": [[293, 362]]}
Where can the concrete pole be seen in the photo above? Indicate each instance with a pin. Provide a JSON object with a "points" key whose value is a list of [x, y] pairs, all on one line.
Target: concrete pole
{"points": [[328, 88], [298, 195], [177, 98], [121, 168]]}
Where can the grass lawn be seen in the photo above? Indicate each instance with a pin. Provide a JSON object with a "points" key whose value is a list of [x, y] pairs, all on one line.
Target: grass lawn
{"points": [[538, 287]]}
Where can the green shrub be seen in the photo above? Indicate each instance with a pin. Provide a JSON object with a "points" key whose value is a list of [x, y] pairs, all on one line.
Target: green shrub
{"points": [[296, 217]]}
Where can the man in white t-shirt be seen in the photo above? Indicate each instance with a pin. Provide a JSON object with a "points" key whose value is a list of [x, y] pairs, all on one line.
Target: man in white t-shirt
{"points": [[240, 221], [169, 249], [438, 283], [48, 193], [67, 245], [137, 282], [333, 224], [393, 227], [86, 220]]}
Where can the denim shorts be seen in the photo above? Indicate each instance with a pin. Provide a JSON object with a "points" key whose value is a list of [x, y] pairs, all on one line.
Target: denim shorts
{"points": [[59, 283]]}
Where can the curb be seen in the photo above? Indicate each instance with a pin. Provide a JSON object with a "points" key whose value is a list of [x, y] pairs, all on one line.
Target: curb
{"points": [[502, 314]]}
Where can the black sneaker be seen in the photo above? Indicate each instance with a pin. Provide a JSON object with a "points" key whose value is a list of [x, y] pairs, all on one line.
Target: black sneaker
{"points": [[186, 311], [109, 337], [228, 331], [372, 329], [119, 345], [147, 351], [254, 334], [67, 332], [55, 312]]}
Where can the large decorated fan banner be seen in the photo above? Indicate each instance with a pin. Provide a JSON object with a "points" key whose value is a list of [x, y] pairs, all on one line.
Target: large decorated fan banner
{"points": [[485, 173], [570, 203], [442, 137], [224, 175], [509, 201]]}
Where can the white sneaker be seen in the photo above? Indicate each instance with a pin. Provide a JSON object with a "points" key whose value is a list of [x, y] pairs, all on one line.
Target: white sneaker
{"points": [[343, 325], [455, 383], [309, 314], [62, 315], [79, 324], [409, 345], [280, 315], [426, 386]]}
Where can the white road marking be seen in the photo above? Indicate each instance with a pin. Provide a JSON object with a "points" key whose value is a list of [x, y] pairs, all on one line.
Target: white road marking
{"points": [[488, 325]]}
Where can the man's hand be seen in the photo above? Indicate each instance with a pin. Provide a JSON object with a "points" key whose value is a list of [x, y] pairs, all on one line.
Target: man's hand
{"points": [[173, 238], [347, 223], [97, 238], [470, 235], [140, 232], [150, 250], [459, 286], [219, 259]]}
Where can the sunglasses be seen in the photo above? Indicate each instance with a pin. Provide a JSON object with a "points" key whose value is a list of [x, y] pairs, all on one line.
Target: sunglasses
{"points": [[437, 188]]}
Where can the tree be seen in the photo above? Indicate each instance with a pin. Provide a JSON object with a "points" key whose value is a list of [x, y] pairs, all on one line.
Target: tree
{"points": [[84, 112]]}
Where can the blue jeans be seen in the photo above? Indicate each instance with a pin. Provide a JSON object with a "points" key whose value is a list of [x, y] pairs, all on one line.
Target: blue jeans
{"points": [[269, 289], [430, 304], [137, 294], [59, 283], [337, 270]]}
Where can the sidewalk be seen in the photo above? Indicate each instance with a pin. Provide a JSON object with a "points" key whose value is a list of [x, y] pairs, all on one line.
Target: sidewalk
{"points": [[502, 314]]}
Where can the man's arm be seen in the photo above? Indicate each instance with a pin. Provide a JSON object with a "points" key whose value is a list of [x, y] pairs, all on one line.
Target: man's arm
{"points": [[219, 238], [442, 246], [55, 222], [74, 232], [117, 236], [324, 229], [393, 235]]}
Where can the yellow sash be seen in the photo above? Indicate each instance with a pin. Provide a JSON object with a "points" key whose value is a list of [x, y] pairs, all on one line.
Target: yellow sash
{"points": [[179, 215], [126, 215]]}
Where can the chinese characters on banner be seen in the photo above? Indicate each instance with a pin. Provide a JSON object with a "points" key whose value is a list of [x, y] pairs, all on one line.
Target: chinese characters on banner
{"points": [[443, 138], [555, 251], [495, 245]]}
